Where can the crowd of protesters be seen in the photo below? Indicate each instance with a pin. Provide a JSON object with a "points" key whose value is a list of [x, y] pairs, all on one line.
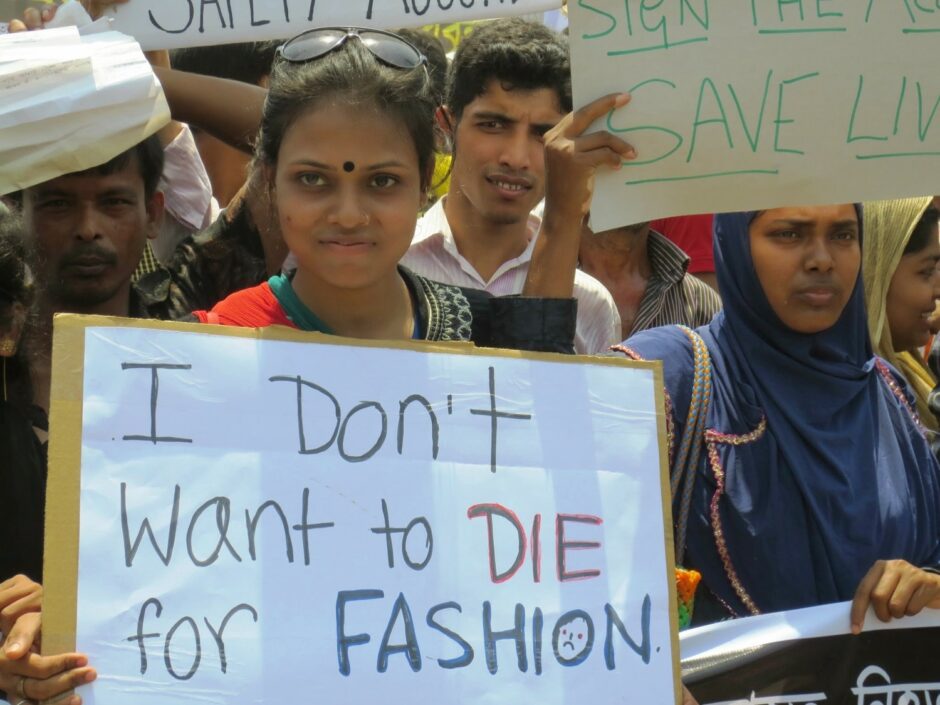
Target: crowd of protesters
{"points": [[360, 183]]}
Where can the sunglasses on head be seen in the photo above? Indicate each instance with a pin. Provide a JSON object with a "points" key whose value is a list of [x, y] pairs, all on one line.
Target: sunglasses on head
{"points": [[388, 48]]}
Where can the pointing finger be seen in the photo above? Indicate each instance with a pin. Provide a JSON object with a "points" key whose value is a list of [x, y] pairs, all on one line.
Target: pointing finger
{"points": [[863, 596], [583, 118]]}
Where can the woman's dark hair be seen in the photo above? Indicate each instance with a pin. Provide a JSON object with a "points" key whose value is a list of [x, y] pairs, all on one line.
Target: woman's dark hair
{"points": [[16, 287], [433, 50], [149, 153], [16, 281], [248, 62], [354, 74], [925, 228]]}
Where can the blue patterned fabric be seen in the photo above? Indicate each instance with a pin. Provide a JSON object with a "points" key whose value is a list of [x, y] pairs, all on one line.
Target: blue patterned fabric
{"points": [[841, 478]]}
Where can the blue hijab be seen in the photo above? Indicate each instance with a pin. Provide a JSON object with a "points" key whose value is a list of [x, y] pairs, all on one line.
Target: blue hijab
{"points": [[842, 476]]}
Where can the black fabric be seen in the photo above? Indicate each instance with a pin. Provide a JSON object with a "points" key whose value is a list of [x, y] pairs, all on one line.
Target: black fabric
{"points": [[449, 312], [523, 323], [22, 499]]}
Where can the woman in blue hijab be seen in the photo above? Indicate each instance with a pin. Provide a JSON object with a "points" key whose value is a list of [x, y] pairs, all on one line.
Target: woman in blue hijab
{"points": [[802, 475]]}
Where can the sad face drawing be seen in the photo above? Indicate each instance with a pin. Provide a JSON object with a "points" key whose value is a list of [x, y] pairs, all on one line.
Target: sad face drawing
{"points": [[573, 638]]}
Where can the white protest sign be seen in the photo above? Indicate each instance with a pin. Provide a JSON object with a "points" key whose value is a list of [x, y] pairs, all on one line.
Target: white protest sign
{"points": [[168, 24], [266, 520], [751, 104]]}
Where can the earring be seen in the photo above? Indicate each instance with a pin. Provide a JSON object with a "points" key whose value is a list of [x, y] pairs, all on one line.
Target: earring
{"points": [[10, 335], [7, 350]]}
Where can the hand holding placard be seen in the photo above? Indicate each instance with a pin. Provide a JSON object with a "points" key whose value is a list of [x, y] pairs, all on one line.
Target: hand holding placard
{"points": [[52, 16], [894, 589], [96, 8], [571, 160], [22, 671]]}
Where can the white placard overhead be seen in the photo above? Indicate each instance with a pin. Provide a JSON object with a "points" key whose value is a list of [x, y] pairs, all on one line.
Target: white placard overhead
{"points": [[69, 102], [267, 520], [168, 24], [750, 104]]}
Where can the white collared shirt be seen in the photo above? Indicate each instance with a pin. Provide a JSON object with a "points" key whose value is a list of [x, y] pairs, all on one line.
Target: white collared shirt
{"points": [[433, 254]]}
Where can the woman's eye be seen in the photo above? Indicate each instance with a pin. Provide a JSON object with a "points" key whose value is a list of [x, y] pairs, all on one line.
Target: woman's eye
{"points": [[785, 234], [311, 179], [384, 181], [845, 235]]}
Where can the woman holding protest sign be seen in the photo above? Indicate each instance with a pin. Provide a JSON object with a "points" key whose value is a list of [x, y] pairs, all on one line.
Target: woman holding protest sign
{"points": [[801, 474], [347, 149], [902, 285], [347, 145]]}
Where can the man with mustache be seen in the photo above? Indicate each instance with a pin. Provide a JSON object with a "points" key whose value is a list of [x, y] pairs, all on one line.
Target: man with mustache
{"points": [[508, 84], [89, 230]]}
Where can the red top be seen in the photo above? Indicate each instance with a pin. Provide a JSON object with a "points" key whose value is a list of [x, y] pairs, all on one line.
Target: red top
{"points": [[693, 234], [256, 307]]}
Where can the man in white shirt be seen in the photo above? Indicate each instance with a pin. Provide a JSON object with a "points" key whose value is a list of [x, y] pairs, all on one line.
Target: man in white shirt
{"points": [[508, 85]]}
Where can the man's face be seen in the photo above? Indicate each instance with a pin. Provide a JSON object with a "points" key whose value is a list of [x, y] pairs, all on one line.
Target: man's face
{"points": [[499, 162], [89, 233]]}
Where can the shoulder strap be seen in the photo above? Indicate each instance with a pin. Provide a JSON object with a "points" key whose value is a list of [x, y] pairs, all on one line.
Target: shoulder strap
{"points": [[683, 471]]}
